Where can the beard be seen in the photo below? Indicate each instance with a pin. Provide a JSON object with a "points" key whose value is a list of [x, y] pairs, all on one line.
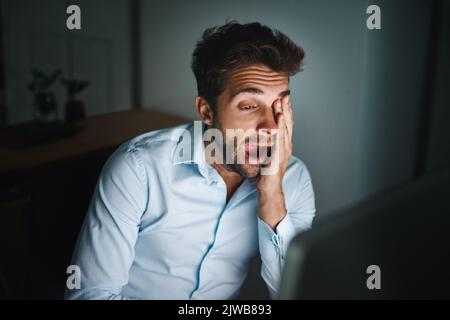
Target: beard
{"points": [[252, 162], [246, 160], [247, 170]]}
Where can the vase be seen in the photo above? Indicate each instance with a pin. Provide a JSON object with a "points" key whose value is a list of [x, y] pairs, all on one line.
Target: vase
{"points": [[45, 108]]}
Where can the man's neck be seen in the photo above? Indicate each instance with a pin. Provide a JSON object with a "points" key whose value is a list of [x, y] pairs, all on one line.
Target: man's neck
{"points": [[231, 178]]}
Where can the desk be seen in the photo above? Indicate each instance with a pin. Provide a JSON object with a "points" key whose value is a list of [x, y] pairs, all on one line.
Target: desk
{"points": [[101, 132]]}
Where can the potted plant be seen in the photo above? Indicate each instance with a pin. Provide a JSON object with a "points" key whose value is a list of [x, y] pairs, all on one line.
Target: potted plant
{"points": [[75, 110], [44, 104]]}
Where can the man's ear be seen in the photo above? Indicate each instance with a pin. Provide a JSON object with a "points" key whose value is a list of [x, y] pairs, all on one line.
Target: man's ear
{"points": [[204, 110]]}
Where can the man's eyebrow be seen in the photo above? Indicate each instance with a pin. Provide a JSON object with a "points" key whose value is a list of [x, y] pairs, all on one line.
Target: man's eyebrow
{"points": [[256, 91]]}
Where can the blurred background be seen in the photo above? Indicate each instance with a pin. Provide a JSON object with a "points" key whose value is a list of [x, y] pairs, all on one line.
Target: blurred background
{"points": [[371, 106]]}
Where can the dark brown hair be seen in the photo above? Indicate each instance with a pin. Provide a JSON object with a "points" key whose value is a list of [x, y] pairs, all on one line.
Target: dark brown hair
{"points": [[223, 48]]}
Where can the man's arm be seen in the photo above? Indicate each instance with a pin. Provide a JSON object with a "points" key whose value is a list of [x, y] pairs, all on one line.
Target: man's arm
{"points": [[105, 248], [277, 226], [273, 243]]}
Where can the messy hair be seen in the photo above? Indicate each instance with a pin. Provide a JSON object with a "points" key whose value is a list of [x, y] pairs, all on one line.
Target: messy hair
{"points": [[224, 48]]}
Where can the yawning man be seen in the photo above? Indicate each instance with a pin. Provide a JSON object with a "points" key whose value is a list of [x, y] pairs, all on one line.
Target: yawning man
{"points": [[179, 213]]}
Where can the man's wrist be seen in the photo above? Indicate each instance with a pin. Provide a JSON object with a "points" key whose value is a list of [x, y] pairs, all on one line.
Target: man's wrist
{"points": [[272, 208], [270, 186], [273, 221]]}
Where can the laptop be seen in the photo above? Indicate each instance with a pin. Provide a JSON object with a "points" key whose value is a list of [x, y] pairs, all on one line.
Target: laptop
{"points": [[394, 245]]}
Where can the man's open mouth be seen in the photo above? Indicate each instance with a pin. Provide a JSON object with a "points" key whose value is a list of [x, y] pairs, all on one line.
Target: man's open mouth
{"points": [[257, 154]]}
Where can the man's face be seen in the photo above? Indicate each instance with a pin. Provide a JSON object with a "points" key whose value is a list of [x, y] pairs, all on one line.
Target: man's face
{"points": [[247, 103]]}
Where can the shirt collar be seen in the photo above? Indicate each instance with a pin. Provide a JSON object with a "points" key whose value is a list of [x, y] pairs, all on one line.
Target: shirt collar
{"points": [[190, 147]]}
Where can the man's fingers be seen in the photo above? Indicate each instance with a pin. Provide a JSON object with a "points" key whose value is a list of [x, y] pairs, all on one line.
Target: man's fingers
{"points": [[282, 146], [289, 116], [277, 108], [284, 119], [277, 142], [280, 119], [285, 108]]}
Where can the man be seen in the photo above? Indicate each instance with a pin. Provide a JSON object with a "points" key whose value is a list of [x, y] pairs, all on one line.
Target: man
{"points": [[169, 218]]}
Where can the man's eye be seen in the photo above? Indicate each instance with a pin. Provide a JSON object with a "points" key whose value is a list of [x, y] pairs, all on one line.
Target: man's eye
{"points": [[248, 107]]}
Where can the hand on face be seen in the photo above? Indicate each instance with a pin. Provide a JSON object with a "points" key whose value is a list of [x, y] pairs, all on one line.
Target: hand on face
{"points": [[271, 175]]}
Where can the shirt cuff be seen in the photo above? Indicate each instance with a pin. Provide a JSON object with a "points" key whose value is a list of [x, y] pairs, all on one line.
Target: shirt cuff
{"points": [[272, 244]]}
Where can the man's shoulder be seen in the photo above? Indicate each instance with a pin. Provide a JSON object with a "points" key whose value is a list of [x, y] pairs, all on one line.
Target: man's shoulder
{"points": [[152, 148], [297, 169], [299, 188], [296, 164], [157, 142]]}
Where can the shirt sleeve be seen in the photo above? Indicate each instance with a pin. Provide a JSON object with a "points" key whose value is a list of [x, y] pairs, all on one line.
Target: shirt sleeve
{"points": [[104, 251], [273, 244]]}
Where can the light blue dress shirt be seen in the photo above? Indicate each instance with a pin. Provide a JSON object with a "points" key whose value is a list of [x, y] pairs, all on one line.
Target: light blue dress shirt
{"points": [[159, 226]]}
